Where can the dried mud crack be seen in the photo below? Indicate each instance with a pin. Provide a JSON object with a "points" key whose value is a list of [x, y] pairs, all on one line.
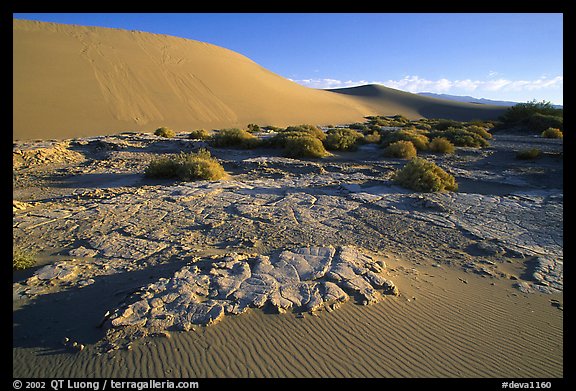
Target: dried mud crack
{"points": [[282, 234]]}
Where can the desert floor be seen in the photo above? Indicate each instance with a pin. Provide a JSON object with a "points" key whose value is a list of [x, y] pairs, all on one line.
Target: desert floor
{"points": [[479, 272]]}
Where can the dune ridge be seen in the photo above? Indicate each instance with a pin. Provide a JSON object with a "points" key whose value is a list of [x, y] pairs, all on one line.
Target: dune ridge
{"points": [[77, 81]]}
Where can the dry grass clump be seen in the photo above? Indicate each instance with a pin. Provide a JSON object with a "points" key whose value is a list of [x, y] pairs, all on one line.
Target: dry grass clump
{"points": [[441, 145], [199, 134], [186, 167], [165, 132], [528, 154], [342, 139], [552, 133], [234, 137], [425, 176], [22, 259], [401, 149]]}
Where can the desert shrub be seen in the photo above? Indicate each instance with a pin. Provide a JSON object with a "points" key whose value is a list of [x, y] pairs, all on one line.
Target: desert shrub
{"points": [[422, 125], [310, 129], [186, 167], [253, 128], [422, 175], [444, 124], [528, 154], [360, 127], [541, 122], [552, 133], [165, 132], [342, 139], [304, 145], [22, 259], [533, 116], [238, 138], [482, 132], [419, 140], [441, 145], [372, 138], [461, 137], [401, 149], [199, 134]]}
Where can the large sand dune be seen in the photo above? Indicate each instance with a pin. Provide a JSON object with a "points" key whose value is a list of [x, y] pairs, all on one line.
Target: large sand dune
{"points": [[72, 81]]}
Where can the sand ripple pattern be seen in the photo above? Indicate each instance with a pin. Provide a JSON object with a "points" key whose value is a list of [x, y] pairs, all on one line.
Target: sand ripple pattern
{"points": [[303, 279]]}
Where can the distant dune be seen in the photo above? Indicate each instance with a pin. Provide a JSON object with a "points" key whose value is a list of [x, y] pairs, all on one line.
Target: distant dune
{"points": [[76, 81], [383, 99]]}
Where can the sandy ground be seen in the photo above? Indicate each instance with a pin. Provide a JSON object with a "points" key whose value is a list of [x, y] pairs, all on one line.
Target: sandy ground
{"points": [[479, 272], [72, 81]]}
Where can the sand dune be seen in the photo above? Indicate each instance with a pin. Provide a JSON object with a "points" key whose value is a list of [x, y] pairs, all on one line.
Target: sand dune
{"points": [[74, 81]]}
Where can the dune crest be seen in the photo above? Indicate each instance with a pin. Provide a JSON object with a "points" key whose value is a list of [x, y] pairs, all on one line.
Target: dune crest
{"points": [[76, 81]]}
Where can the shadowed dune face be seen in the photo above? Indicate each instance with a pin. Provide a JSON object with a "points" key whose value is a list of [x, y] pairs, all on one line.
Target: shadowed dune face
{"points": [[75, 81], [380, 98]]}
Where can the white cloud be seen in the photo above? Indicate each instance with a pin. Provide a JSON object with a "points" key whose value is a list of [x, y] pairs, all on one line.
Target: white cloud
{"points": [[418, 84]]}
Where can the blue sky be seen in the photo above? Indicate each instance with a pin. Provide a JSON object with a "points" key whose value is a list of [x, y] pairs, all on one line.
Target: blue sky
{"points": [[508, 56]]}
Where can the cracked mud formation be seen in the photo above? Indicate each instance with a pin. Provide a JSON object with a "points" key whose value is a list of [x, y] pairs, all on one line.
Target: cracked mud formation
{"points": [[279, 236]]}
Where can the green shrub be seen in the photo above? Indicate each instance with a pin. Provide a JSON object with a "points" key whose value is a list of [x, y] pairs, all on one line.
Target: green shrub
{"points": [[444, 124], [372, 138], [186, 167], [533, 116], [342, 139], [304, 145], [310, 129], [552, 133], [419, 140], [461, 137], [401, 149], [482, 132], [422, 175], [253, 128], [528, 154], [165, 132], [238, 138], [199, 134], [541, 122], [22, 259], [441, 145]]}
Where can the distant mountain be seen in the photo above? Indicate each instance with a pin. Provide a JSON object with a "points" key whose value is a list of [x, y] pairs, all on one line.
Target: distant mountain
{"points": [[471, 99]]}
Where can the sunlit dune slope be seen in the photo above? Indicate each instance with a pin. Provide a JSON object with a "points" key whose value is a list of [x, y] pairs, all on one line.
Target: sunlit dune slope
{"points": [[75, 81]]}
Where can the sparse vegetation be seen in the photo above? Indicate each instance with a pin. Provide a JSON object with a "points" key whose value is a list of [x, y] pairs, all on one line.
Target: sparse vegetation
{"points": [[533, 116], [401, 149], [372, 138], [199, 134], [303, 145], [419, 140], [342, 139], [552, 133], [441, 145], [253, 128], [310, 129], [528, 154], [461, 137], [22, 259], [186, 167], [234, 137], [165, 132], [479, 130], [425, 176]]}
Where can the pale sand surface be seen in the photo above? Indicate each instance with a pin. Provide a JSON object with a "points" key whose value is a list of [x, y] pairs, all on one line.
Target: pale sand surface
{"points": [[75, 81], [437, 327], [464, 263]]}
